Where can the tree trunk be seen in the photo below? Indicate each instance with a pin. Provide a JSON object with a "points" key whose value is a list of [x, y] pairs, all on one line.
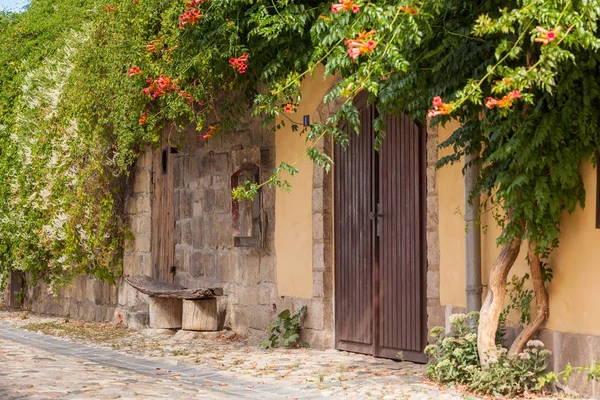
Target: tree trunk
{"points": [[541, 296], [494, 301]]}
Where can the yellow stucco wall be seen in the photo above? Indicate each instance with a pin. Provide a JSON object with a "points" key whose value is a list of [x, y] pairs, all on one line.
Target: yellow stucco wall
{"points": [[293, 211], [576, 263]]}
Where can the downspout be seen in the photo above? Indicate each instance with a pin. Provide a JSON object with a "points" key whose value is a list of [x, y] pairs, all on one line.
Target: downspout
{"points": [[473, 236]]}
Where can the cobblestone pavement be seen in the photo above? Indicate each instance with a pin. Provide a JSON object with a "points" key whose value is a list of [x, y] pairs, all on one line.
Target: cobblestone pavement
{"points": [[164, 364]]}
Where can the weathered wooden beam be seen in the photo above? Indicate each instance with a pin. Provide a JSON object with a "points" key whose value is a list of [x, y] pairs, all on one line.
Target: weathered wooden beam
{"points": [[155, 288]]}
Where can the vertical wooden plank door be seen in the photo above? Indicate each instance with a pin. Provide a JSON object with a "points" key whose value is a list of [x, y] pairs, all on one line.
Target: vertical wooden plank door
{"points": [[163, 222], [380, 259]]}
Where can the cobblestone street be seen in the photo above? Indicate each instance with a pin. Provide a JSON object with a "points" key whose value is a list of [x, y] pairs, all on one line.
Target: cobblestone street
{"points": [[100, 361], [163, 364]]}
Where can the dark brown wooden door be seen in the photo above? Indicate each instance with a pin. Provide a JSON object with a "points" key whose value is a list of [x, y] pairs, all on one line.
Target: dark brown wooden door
{"points": [[163, 222], [380, 257]]}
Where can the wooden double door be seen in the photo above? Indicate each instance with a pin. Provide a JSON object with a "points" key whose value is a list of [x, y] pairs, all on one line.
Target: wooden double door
{"points": [[380, 254]]}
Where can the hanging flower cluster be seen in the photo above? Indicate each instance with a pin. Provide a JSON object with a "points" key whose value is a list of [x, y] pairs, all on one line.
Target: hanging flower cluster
{"points": [[547, 35], [212, 129], [361, 45], [134, 71], [289, 108], [408, 10], [144, 118], [187, 96], [504, 102], [159, 87], [154, 46], [239, 64], [439, 107], [345, 5], [111, 9]]}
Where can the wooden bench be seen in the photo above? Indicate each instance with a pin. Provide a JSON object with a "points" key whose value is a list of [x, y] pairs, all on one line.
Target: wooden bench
{"points": [[173, 306]]}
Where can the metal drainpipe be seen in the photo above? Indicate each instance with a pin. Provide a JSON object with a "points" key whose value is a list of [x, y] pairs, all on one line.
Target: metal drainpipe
{"points": [[473, 239]]}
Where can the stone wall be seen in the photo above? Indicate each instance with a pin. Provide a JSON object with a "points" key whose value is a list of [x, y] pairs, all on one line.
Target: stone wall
{"points": [[133, 306]]}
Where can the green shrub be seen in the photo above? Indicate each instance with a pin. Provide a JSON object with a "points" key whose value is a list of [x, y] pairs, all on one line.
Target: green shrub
{"points": [[512, 375], [454, 360], [454, 355], [285, 331]]}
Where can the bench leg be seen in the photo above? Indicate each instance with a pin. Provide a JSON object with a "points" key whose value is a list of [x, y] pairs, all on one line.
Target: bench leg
{"points": [[200, 315], [165, 313]]}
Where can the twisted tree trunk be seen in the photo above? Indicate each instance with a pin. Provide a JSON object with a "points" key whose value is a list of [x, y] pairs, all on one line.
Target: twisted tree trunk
{"points": [[494, 301], [541, 296]]}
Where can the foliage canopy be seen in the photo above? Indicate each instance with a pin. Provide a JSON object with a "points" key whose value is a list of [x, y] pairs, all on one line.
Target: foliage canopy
{"points": [[83, 86]]}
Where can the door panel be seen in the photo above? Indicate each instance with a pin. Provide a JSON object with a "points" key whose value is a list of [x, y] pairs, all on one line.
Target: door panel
{"points": [[379, 240], [353, 238], [402, 324], [163, 222]]}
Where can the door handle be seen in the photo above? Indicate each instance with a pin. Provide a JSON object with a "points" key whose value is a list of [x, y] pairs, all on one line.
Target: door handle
{"points": [[374, 215]]}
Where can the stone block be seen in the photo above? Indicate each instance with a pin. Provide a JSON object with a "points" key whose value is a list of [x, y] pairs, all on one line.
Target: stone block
{"points": [[433, 284], [221, 162], [177, 233], [432, 212], [432, 149], [197, 210], [221, 181], [177, 204], [268, 198], [318, 285], [143, 204], [187, 200], [144, 158], [225, 239], [317, 200], [186, 232], [193, 167], [209, 200], [146, 266], [247, 295], [267, 269], [206, 163], [199, 263], [314, 315], [317, 227], [435, 316], [200, 315], [197, 232], [265, 293], [238, 319], [142, 243], [90, 293], [223, 201], [136, 320], [87, 311], [251, 271], [211, 231], [431, 180], [165, 313], [80, 288], [178, 173], [259, 317], [141, 181], [131, 205], [433, 250], [226, 262], [142, 224]]}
